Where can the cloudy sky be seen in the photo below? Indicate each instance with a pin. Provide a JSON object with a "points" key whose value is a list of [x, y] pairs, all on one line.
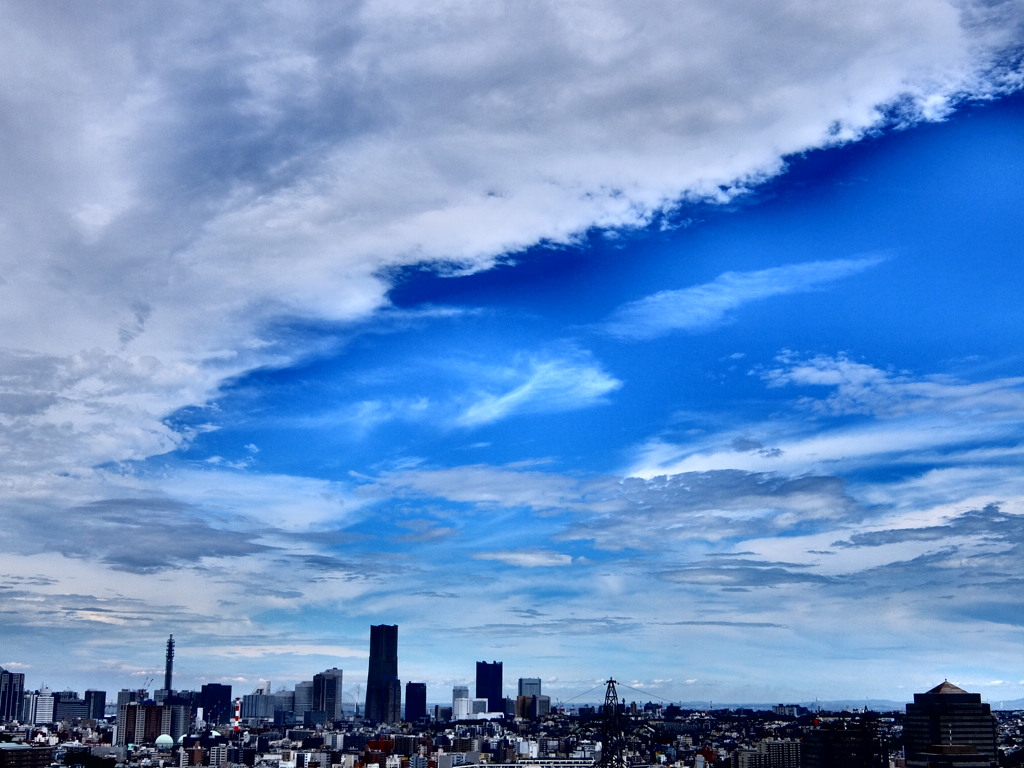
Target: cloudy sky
{"points": [[674, 342]]}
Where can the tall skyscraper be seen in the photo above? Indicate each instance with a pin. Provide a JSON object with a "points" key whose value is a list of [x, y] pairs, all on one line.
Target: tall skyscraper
{"points": [[415, 701], [215, 699], [12, 688], [95, 704], [327, 693], [529, 686], [488, 685], [303, 699], [947, 727], [459, 692], [383, 689]]}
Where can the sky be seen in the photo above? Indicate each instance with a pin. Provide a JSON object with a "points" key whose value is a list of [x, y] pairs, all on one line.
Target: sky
{"points": [[678, 343]]}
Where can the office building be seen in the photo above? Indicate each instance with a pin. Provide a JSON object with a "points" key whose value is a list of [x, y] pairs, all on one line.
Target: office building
{"points": [[459, 692], [43, 707], [532, 707], [844, 744], [327, 688], [14, 755], [529, 686], [488, 685], [215, 699], [947, 727], [415, 702], [12, 688], [383, 689], [95, 704], [68, 706]]}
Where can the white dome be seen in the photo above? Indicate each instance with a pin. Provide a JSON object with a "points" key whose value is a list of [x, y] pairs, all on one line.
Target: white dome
{"points": [[164, 741]]}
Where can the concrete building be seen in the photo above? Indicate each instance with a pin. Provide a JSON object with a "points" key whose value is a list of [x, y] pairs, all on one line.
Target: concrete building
{"points": [[529, 686], [42, 707], [383, 688], [327, 689], [68, 706], [143, 723], [947, 727], [303, 700], [489, 685], [215, 699], [25, 755], [12, 688], [95, 704], [415, 702]]}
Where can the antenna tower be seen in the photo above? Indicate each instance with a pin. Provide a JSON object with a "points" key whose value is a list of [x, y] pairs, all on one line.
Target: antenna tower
{"points": [[613, 732], [169, 665]]}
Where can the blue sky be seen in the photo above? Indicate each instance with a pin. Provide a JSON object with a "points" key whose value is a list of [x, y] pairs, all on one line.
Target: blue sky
{"points": [[677, 345]]}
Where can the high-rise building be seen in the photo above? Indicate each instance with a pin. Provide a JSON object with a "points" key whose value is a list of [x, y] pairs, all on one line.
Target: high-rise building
{"points": [[947, 727], [488, 685], [529, 686], [68, 706], [415, 701], [95, 704], [12, 688], [844, 744], [43, 707], [143, 723], [303, 699], [215, 699], [327, 693], [383, 689], [459, 692]]}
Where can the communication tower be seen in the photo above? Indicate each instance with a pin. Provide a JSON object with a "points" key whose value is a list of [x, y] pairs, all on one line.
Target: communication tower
{"points": [[169, 664]]}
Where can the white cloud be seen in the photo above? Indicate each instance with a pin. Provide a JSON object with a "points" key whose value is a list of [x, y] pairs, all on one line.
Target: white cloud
{"points": [[924, 420], [862, 388], [481, 484], [539, 385], [527, 558], [176, 182], [703, 306]]}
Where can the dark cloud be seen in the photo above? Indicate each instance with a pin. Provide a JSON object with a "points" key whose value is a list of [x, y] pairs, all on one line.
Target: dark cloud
{"points": [[989, 522], [751, 624], [140, 535], [745, 444]]}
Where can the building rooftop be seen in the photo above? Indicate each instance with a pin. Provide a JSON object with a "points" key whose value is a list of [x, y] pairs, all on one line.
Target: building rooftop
{"points": [[947, 687]]}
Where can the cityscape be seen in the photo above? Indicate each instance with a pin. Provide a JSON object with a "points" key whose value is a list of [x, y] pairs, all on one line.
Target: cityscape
{"points": [[311, 727], [494, 383]]}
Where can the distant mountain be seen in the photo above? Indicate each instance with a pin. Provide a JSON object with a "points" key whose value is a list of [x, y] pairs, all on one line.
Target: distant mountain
{"points": [[837, 705], [840, 705]]}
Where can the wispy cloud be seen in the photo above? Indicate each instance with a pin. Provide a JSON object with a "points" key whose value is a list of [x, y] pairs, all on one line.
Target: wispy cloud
{"points": [[539, 385], [527, 558], [701, 307], [931, 420], [859, 388]]}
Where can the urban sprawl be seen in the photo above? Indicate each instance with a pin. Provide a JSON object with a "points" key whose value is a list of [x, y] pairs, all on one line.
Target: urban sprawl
{"points": [[310, 727]]}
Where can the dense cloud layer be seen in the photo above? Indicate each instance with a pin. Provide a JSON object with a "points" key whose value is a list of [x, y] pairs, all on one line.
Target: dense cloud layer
{"points": [[178, 181]]}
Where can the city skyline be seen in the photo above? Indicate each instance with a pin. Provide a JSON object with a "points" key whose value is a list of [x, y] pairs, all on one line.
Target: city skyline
{"points": [[678, 344]]}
